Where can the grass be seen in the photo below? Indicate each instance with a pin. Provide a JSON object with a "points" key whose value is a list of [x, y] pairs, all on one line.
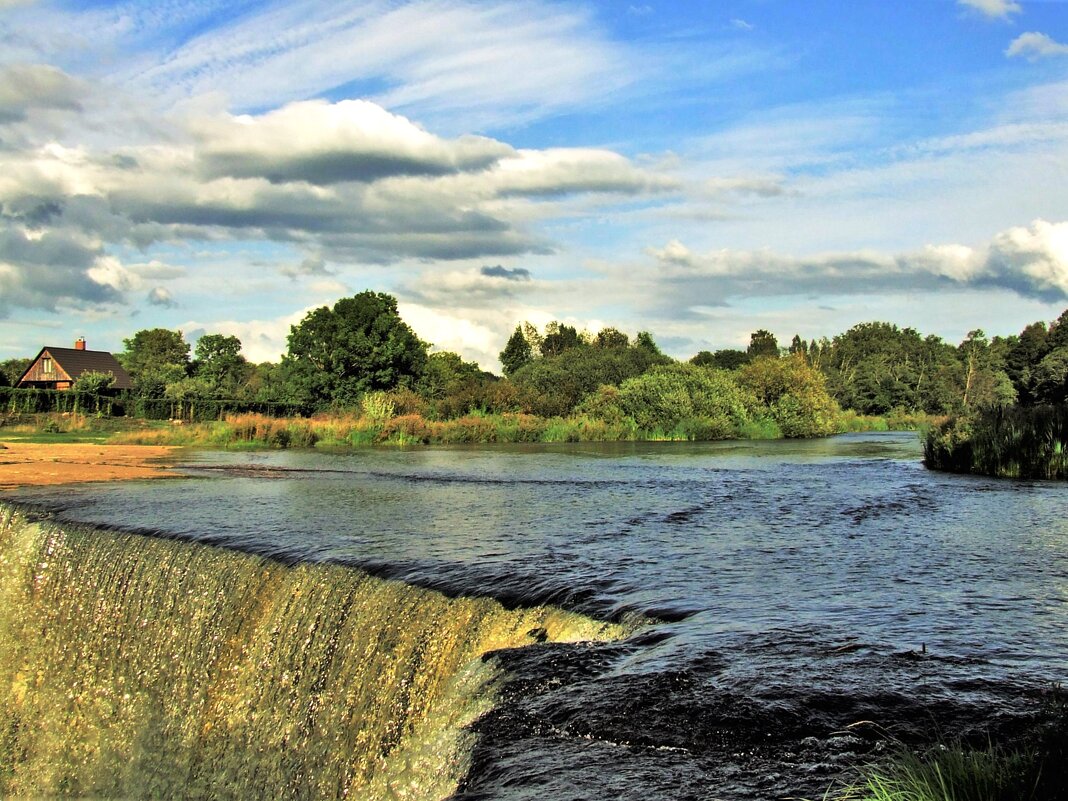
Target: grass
{"points": [[950, 774], [341, 430], [69, 428]]}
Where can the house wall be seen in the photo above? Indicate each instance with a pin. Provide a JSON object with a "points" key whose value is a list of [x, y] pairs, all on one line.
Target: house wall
{"points": [[37, 376]]}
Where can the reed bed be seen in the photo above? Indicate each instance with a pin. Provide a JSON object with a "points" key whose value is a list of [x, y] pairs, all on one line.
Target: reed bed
{"points": [[260, 431], [1009, 442]]}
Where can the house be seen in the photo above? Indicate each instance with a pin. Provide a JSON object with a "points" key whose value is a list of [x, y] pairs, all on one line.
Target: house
{"points": [[59, 368]]}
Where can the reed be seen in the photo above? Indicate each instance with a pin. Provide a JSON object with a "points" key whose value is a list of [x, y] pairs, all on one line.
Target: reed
{"points": [[1009, 442]]}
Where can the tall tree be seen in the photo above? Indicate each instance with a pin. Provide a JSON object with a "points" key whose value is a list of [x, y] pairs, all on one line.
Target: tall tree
{"points": [[155, 357], [611, 338], [558, 338], [517, 352], [762, 343], [219, 364], [361, 344]]}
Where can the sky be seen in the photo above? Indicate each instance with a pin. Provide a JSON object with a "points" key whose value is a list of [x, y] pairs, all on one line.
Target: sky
{"points": [[695, 169]]}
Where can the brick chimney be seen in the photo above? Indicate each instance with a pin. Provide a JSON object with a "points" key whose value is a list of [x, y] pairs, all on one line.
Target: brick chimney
{"points": [[79, 344]]}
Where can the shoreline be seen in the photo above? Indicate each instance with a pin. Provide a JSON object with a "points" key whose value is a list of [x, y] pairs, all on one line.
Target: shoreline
{"points": [[26, 464]]}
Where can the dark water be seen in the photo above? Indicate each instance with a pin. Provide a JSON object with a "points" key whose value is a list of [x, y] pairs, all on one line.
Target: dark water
{"points": [[816, 600]]}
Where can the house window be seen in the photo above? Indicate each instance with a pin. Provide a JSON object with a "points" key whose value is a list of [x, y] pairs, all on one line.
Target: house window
{"points": [[46, 366]]}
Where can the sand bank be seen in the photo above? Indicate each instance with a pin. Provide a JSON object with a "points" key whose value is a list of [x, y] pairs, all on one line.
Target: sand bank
{"points": [[36, 464]]}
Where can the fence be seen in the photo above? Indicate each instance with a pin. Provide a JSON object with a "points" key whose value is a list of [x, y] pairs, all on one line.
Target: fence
{"points": [[34, 401]]}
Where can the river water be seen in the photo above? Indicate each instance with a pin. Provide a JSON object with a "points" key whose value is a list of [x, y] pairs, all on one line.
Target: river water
{"points": [[804, 604]]}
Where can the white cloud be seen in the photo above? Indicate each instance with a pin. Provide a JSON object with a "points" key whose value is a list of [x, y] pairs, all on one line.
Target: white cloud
{"points": [[1031, 261], [262, 340], [348, 180], [160, 296], [329, 143], [994, 9], [1034, 46]]}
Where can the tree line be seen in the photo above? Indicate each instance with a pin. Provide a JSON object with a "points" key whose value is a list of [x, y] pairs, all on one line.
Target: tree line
{"points": [[337, 356]]}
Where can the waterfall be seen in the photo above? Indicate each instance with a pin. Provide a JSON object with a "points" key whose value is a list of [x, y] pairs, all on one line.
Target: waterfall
{"points": [[137, 666]]}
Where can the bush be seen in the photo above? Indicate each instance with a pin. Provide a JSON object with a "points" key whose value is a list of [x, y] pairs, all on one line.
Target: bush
{"points": [[794, 393], [665, 396]]}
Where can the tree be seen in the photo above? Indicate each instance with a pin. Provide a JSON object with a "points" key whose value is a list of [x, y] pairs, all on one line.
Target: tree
{"points": [[446, 373], [218, 363], [1023, 356], [12, 369], [517, 352], [360, 345], [155, 357], [611, 338], [556, 384], [1051, 377], [558, 338], [985, 383], [762, 343], [644, 341]]}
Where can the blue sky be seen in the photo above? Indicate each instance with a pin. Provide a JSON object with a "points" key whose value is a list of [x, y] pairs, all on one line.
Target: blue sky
{"points": [[697, 169]]}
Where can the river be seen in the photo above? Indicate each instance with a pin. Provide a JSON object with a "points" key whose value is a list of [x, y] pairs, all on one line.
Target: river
{"points": [[798, 606]]}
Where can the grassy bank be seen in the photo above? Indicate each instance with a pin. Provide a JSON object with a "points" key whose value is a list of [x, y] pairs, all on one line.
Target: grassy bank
{"points": [[1010, 442], [1033, 768], [259, 431]]}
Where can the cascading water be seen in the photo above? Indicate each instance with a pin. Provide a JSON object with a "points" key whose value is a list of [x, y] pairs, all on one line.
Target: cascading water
{"points": [[133, 666]]}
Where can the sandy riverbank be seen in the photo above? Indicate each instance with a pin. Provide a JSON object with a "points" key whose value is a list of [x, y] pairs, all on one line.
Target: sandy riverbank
{"points": [[34, 464]]}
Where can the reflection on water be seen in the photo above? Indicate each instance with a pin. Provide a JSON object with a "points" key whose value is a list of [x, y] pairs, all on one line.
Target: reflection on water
{"points": [[797, 583]]}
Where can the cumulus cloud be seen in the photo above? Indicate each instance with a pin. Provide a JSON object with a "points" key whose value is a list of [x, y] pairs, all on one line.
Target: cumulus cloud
{"points": [[482, 288], [159, 296], [347, 180], [560, 171], [311, 266], [1031, 261], [328, 143], [994, 9], [26, 87], [48, 271], [1034, 46]]}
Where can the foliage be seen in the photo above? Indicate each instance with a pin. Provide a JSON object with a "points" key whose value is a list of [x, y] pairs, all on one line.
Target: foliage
{"points": [[611, 338], [762, 343], [555, 385], [794, 393], [219, 364], [12, 370], [1049, 378], [644, 341], [377, 407], [1011, 442], [446, 374], [360, 345], [517, 352], [154, 358], [93, 383], [669, 395], [727, 359], [559, 338]]}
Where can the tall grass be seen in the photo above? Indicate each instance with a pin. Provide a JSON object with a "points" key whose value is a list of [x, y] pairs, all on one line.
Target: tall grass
{"points": [[1010, 442], [950, 774]]}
